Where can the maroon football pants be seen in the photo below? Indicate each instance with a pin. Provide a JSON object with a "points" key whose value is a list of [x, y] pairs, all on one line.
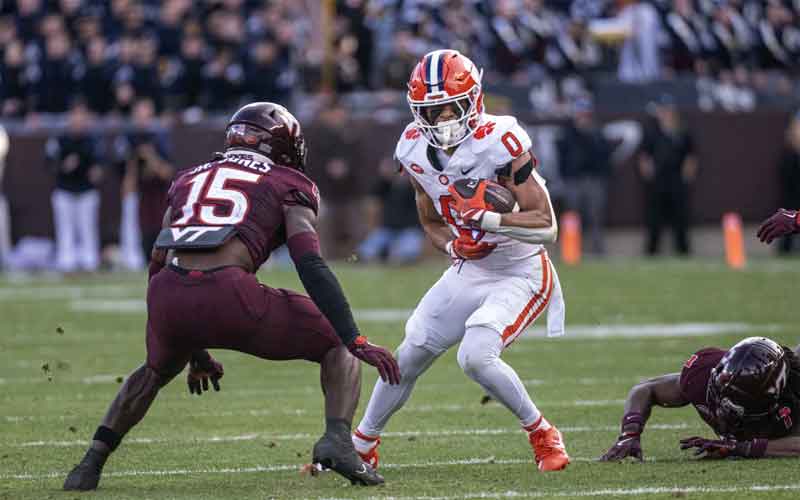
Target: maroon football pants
{"points": [[228, 308]]}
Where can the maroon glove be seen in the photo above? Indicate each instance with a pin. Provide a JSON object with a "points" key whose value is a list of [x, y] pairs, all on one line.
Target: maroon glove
{"points": [[627, 445], [378, 357], [203, 367], [781, 223], [725, 447]]}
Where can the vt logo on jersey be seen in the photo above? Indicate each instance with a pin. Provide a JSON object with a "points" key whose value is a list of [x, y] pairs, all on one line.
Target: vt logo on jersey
{"points": [[194, 236]]}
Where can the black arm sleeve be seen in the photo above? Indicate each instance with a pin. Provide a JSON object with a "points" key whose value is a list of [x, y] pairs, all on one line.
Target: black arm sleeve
{"points": [[327, 294]]}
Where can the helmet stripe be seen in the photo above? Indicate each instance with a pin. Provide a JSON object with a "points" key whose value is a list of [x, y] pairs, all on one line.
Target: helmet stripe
{"points": [[434, 71]]}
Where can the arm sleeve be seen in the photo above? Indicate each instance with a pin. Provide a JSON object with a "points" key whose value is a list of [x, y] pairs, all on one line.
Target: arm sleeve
{"points": [[321, 285]]}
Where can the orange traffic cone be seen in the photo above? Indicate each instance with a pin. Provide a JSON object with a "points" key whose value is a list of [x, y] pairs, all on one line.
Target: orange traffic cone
{"points": [[734, 241], [571, 238]]}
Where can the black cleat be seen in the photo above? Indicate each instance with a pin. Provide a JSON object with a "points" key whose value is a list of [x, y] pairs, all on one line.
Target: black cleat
{"points": [[339, 455], [86, 475]]}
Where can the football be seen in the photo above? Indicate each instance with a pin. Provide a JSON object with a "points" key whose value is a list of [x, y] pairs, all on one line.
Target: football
{"points": [[497, 197]]}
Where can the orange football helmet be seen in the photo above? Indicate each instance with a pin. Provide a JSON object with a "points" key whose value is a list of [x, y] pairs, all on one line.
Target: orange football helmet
{"points": [[445, 78]]}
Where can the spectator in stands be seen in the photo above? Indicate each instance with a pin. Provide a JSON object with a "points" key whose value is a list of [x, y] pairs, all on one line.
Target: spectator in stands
{"points": [[398, 237], [789, 169], [148, 173], [732, 41], [267, 78], [585, 159], [638, 26], [75, 161], [14, 90], [186, 81], [59, 72], [689, 38], [668, 167], [778, 47], [223, 80], [97, 81], [29, 13]]}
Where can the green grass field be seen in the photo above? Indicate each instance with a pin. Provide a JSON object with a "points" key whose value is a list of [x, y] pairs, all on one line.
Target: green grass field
{"points": [[65, 346]]}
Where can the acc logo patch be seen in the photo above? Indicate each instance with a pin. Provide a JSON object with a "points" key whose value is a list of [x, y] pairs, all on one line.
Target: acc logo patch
{"points": [[416, 168], [412, 133], [444, 180]]}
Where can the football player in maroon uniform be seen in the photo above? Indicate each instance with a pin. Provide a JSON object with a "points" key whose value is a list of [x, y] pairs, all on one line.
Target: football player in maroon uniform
{"points": [[749, 395], [223, 220]]}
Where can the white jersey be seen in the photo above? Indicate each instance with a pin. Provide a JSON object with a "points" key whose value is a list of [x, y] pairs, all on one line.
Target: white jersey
{"points": [[497, 141]]}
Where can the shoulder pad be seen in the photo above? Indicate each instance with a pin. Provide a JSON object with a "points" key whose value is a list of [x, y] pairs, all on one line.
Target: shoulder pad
{"points": [[408, 139], [501, 138]]}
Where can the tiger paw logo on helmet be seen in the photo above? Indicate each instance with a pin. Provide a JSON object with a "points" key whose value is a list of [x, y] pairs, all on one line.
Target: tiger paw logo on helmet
{"points": [[446, 80]]}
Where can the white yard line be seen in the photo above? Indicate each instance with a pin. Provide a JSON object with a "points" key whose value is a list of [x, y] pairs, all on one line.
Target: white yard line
{"points": [[573, 331], [606, 492], [301, 436], [440, 408]]}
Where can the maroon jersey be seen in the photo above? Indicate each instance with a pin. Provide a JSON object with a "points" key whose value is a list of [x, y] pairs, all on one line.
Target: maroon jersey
{"points": [[240, 190], [695, 375]]}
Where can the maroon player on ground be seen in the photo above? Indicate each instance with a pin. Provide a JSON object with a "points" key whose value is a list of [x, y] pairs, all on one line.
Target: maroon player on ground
{"points": [[223, 220], [749, 395], [781, 223]]}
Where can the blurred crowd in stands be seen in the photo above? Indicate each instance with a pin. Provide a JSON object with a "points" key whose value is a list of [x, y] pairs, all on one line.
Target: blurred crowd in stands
{"points": [[149, 61], [210, 55]]}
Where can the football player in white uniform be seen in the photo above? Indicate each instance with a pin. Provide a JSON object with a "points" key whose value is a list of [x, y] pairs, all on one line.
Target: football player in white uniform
{"points": [[502, 279]]}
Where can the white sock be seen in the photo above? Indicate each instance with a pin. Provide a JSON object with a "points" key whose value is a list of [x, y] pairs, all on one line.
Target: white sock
{"points": [[540, 425], [479, 357], [364, 445]]}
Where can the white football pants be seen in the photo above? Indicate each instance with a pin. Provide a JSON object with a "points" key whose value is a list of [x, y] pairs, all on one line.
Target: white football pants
{"points": [[484, 311], [75, 216]]}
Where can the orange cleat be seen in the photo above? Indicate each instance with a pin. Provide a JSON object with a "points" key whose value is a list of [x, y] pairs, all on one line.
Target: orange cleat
{"points": [[369, 453], [548, 449]]}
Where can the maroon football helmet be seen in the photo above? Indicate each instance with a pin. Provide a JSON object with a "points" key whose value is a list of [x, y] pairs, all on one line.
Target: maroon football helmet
{"points": [[748, 382], [269, 129]]}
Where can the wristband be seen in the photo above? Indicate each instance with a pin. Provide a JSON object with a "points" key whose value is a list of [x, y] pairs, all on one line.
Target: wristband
{"points": [[632, 423], [491, 221]]}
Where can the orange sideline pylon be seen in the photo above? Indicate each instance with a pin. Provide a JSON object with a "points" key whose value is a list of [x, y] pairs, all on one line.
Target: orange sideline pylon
{"points": [[571, 238], [734, 241]]}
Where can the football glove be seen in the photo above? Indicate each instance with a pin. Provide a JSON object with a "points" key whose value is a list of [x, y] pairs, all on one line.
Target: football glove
{"points": [[627, 445], [725, 447], [468, 249], [782, 223], [376, 356], [473, 211], [203, 368]]}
